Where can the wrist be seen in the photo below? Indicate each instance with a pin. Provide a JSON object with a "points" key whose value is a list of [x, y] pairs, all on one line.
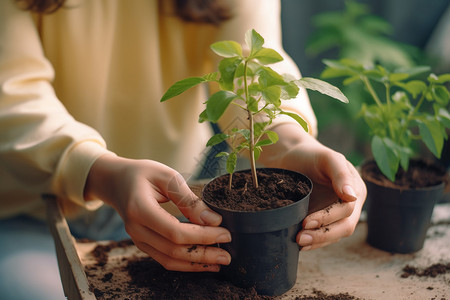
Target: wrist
{"points": [[99, 174]]}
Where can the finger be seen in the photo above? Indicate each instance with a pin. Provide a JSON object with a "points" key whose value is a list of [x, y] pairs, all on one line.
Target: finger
{"points": [[342, 176], [311, 239], [191, 253], [189, 204], [172, 264], [151, 215], [336, 211]]}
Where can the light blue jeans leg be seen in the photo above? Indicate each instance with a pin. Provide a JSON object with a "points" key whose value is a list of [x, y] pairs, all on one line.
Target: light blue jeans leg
{"points": [[28, 265]]}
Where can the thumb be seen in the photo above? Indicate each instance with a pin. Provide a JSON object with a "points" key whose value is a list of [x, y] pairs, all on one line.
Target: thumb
{"points": [[190, 204], [341, 177]]}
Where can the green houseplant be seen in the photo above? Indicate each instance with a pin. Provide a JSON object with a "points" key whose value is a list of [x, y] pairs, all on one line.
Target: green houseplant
{"points": [[402, 188], [263, 248], [353, 32]]}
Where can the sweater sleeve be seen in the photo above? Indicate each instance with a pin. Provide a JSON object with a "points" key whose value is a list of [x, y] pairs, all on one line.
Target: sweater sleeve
{"points": [[42, 148], [265, 18]]}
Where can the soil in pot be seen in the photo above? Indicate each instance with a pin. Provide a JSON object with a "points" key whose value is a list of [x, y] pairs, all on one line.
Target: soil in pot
{"points": [[399, 213], [420, 174], [263, 223], [275, 190]]}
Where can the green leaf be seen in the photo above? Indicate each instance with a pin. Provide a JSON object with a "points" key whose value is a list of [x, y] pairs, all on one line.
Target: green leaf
{"points": [[181, 86], [272, 135], [431, 134], [227, 48], [211, 76], [345, 64], [227, 68], [217, 139], [267, 56], [351, 79], [414, 87], [441, 94], [254, 41], [245, 133], [336, 72], [289, 91], [414, 71], [221, 154], [203, 117], [322, 87], [268, 77], [272, 95], [218, 103], [393, 77], [252, 104], [297, 118], [231, 162], [264, 142], [259, 127], [385, 158], [443, 115], [257, 151], [443, 78]]}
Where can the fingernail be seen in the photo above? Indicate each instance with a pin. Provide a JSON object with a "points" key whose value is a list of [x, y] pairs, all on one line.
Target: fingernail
{"points": [[224, 238], [209, 217], [348, 190], [313, 224], [223, 260], [306, 248], [305, 239]]}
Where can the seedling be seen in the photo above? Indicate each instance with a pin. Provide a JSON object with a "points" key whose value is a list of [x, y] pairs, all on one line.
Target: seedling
{"points": [[247, 82], [399, 118]]}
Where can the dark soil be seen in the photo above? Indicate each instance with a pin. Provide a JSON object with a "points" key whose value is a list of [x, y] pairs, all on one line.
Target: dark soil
{"points": [[431, 271], [420, 174], [319, 295], [155, 282], [138, 277], [274, 190]]}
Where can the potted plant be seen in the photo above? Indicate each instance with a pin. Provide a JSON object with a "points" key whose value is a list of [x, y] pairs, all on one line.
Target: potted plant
{"points": [[402, 188], [259, 207]]}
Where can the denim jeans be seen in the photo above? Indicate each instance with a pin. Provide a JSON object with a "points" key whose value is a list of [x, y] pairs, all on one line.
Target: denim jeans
{"points": [[28, 264]]}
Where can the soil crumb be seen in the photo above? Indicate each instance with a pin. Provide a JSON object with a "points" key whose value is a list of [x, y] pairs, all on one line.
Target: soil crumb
{"points": [[431, 271], [319, 295]]}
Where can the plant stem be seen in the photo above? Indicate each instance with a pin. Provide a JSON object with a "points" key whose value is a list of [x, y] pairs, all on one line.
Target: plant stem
{"points": [[252, 138], [372, 91]]}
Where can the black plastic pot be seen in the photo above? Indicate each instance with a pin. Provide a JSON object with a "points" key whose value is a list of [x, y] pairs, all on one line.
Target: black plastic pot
{"points": [[263, 249], [398, 220]]}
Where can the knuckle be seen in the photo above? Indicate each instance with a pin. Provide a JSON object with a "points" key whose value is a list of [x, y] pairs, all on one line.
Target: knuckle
{"points": [[176, 237], [168, 264], [348, 229], [348, 209]]}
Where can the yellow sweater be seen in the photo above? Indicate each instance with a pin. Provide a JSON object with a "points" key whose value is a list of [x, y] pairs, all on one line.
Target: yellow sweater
{"points": [[87, 79]]}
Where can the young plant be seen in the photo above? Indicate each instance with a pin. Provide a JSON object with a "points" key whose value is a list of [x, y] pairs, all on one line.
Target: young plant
{"points": [[400, 117], [247, 82]]}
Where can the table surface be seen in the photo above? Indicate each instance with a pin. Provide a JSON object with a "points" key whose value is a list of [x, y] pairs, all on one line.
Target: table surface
{"points": [[352, 266]]}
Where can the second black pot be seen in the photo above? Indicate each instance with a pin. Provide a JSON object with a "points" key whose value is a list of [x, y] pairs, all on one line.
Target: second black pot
{"points": [[398, 220], [263, 249]]}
